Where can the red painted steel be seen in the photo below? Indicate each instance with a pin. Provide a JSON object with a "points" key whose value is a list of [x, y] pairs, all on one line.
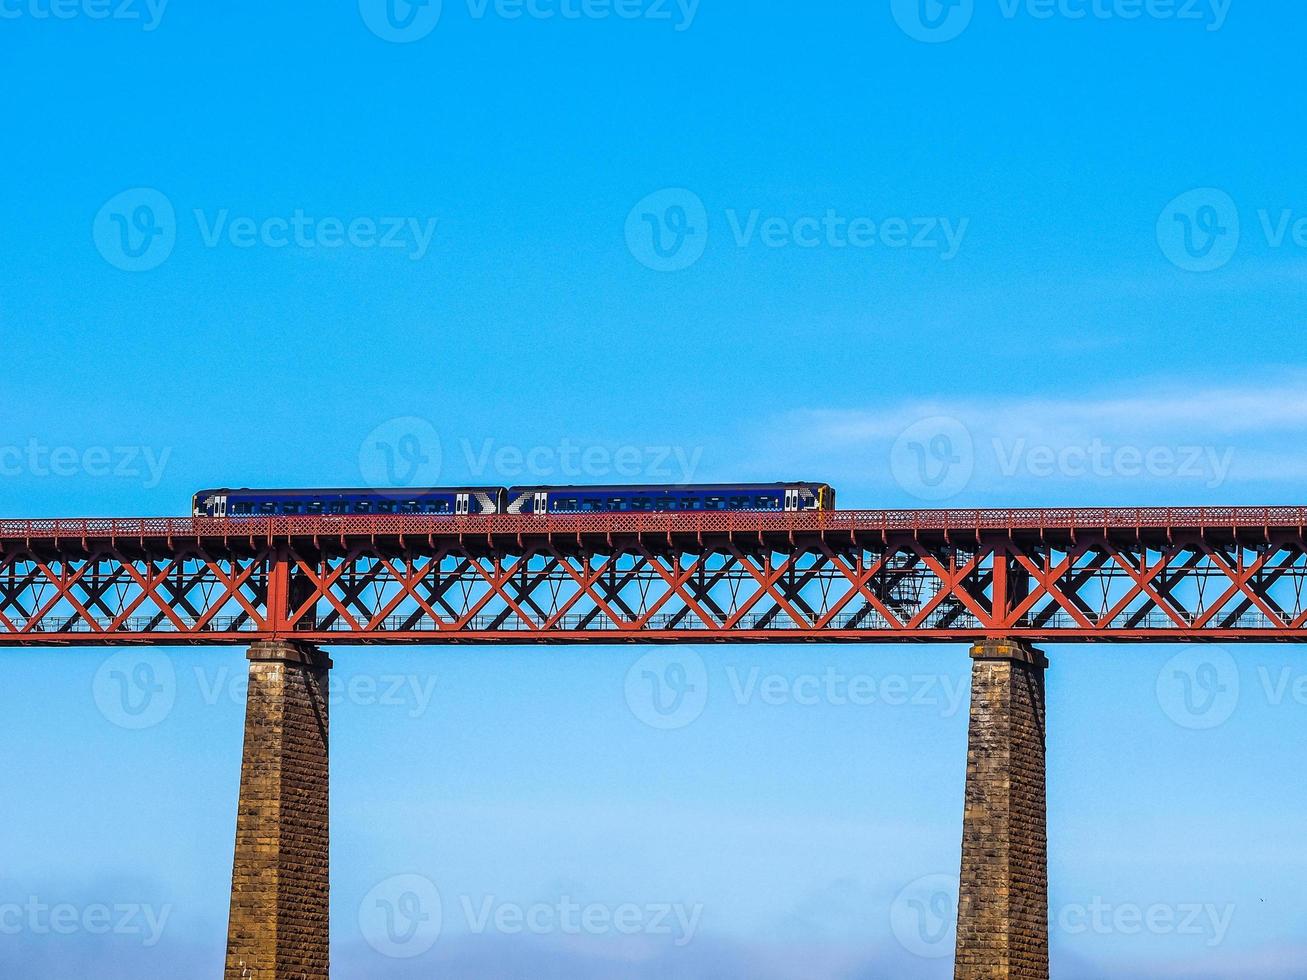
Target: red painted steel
{"points": [[1165, 574], [863, 521]]}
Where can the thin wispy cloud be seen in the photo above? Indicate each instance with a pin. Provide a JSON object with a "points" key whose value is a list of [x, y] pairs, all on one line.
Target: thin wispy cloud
{"points": [[1181, 439], [1194, 410]]}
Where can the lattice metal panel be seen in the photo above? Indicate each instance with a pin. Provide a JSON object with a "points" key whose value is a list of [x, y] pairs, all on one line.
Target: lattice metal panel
{"points": [[1235, 574]]}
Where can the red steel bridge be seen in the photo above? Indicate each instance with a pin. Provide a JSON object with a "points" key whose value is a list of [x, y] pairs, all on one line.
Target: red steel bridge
{"points": [[1002, 579], [1149, 574]]}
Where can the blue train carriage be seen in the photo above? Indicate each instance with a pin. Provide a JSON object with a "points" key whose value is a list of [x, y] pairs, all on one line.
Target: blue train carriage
{"points": [[777, 497], [450, 501]]}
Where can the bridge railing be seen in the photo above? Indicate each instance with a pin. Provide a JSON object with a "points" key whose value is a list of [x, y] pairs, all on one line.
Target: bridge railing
{"points": [[684, 522]]}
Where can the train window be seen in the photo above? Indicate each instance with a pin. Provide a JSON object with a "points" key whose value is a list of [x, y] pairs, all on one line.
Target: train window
{"points": [[589, 505], [409, 507], [363, 507], [268, 507], [714, 503], [739, 503], [241, 508], [386, 506], [664, 504], [617, 503], [336, 507], [769, 503], [313, 507]]}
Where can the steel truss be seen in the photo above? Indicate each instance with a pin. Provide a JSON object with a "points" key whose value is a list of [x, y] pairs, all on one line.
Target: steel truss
{"points": [[1042, 575]]}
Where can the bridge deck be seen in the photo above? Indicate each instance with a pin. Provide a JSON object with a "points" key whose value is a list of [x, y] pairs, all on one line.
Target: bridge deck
{"points": [[1023, 523]]}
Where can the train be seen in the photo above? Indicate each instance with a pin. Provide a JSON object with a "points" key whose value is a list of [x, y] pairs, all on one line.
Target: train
{"points": [[228, 502]]}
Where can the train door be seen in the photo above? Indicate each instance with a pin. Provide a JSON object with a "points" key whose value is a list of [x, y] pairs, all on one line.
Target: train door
{"points": [[220, 505], [791, 498], [462, 503], [542, 503]]}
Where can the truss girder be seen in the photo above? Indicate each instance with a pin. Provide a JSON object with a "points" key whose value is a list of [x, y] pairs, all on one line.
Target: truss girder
{"points": [[822, 587]]}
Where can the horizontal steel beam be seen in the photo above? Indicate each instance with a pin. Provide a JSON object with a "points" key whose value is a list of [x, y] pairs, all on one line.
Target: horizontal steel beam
{"points": [[1026, 522]]}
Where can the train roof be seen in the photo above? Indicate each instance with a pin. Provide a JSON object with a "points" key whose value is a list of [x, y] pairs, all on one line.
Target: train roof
{"points": [[671, 487], [309, 491], [596, 488]]}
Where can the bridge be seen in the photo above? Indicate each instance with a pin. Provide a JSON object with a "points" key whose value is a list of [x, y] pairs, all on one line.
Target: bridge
{"points": [[1157, 574], [999, 580]]}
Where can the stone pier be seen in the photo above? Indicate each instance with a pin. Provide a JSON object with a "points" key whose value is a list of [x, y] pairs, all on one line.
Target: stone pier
{"points": [[1003, 894], [278, 927]]}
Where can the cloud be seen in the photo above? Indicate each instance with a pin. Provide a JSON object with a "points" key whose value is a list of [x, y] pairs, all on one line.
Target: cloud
{"points": [[1181, 440], [1194, 410], [545, 958], [1270, 962], [542, 958]]}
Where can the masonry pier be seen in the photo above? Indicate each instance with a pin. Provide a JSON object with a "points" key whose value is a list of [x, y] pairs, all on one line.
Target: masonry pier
{"points": [[278, 928], [1003, 893]]}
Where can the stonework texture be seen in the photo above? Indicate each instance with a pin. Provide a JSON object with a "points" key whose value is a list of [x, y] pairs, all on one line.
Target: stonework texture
{"points": [[278, 928], [1003, 894]]}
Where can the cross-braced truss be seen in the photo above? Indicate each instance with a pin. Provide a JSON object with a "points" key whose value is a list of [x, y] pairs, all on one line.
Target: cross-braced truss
{"points": [[657, 578]]}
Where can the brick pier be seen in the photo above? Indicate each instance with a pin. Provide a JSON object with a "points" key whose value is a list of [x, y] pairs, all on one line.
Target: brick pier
{"points": [[278, 928], [1003, 895]]}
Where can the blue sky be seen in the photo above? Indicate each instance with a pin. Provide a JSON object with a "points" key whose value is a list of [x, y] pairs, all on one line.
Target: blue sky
{"points": [[991, 253]]}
